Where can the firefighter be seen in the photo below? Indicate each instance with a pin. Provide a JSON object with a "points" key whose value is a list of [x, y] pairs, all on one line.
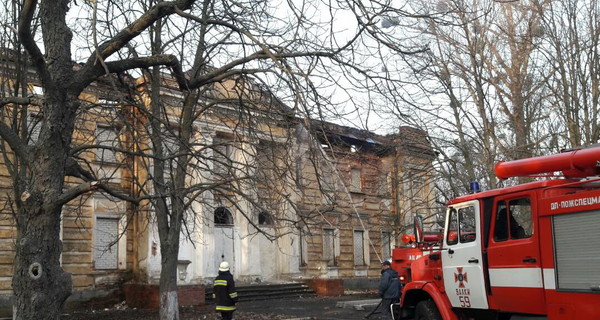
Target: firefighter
{"points": [[224, 292], [389, 289]]}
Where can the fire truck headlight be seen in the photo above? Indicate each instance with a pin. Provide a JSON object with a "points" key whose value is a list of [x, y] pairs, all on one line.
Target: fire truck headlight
{"points": [[401, 278]]}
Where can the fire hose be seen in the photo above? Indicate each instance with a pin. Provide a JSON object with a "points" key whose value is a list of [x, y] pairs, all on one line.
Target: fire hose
{"points": [[374, 310]]}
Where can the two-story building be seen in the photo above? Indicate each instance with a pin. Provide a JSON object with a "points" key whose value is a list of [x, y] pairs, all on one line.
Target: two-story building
{"points": [[278, 197]]}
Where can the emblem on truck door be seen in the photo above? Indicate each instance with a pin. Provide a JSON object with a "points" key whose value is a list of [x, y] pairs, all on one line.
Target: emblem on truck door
{"points": [[460, 277]]}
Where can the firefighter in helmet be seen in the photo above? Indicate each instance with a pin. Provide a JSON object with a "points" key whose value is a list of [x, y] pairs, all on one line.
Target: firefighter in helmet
{"points": [[224, 292]]}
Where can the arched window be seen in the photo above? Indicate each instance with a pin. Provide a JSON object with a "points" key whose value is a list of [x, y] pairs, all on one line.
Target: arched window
{"points": [[264, 218], [223, 216]]}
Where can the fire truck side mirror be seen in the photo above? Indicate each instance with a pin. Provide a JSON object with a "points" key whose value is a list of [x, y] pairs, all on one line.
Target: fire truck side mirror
{"points": [[418, 228]]}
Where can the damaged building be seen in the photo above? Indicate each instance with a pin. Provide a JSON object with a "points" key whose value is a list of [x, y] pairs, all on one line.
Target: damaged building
{"points": [[281, 198]]}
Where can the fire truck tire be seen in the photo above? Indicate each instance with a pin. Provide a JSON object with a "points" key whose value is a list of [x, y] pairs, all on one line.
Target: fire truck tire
{"points": [[427, 310]]}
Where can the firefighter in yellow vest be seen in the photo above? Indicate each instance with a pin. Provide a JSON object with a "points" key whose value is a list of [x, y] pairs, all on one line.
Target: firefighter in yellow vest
{"points": [[224, 292]]}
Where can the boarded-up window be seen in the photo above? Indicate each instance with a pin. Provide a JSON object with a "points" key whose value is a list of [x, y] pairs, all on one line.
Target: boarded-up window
{"points": [[34, 126], [327, 178], [386, 245], [106, 232], [359, 248], [355, 180], [268, 158], [385, 186], [303, 248], [329, 246], [222, 156]]}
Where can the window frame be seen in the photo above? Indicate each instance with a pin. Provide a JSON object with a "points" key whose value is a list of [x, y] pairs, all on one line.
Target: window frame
{"points": [[99, 154], [362, 250], [114, 246], [505, 204], [229, 217], [333, 260], [455, 236]]}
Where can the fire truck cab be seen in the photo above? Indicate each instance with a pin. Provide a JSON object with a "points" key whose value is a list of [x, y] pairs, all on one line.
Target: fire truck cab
{"points": [[530, 251]]}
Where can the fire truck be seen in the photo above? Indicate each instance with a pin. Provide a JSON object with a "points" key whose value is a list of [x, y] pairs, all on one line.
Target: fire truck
{"points": [[529, 251]]}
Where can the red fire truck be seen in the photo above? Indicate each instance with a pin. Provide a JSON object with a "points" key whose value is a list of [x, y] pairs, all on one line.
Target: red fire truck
{"points": [[530, 251]]}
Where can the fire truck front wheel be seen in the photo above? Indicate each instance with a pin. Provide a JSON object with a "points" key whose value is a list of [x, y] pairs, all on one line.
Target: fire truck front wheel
{"points": [[427, 310]]}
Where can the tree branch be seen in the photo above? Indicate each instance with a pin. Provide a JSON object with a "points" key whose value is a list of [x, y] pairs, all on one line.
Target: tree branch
{"points": [[23, 101], [73, 169], [75, 192], [88, 72], [25, 18], [15, 143], [218, 74], [122, 196], [146, 62]]}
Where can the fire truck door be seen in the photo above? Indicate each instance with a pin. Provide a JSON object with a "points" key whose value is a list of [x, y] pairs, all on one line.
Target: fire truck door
{"points": [[514, 256], [462, 258]]}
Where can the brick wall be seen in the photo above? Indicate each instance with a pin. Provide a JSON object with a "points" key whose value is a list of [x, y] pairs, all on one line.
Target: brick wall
{"points": [[146, 296], [327, 287]]}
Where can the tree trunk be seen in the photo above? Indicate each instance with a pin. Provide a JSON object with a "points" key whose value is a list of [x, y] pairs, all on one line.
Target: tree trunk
{"points": [[39, 283], [169, 308]]}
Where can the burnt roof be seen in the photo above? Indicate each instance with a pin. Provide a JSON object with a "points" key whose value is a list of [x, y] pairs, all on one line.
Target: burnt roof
{"points": [[408, 141]]}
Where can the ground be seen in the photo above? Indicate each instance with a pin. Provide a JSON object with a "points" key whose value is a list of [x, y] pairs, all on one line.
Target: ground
{"points": [[314, 308]]}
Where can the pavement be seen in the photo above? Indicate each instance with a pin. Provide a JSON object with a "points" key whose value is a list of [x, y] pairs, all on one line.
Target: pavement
{"points": [[359, 305], [348, 307]]}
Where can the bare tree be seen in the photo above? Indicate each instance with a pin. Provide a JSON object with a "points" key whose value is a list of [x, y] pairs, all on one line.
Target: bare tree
{"points": [[480, 87], [571, 51], [287, 48]]}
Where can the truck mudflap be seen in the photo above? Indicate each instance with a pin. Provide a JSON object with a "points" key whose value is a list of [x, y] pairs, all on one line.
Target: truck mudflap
{"points": [[416, 291]]}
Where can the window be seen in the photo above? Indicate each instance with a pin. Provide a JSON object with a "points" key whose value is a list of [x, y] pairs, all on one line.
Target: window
{"points": [[303, 248], [501, 226], [264, 218], [386, 183], [329, 249], [359, 248], [34, 126], [222, 156], [415, 187], [418, 185], [356, 183], [514, 221], [107, 138], [266, 162], [461, 226], [521, 225], [169, 150], [467, 220], [106, 232], [37, 90], [223, 216], [327, 178], [386, 245], [452, 237]]}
